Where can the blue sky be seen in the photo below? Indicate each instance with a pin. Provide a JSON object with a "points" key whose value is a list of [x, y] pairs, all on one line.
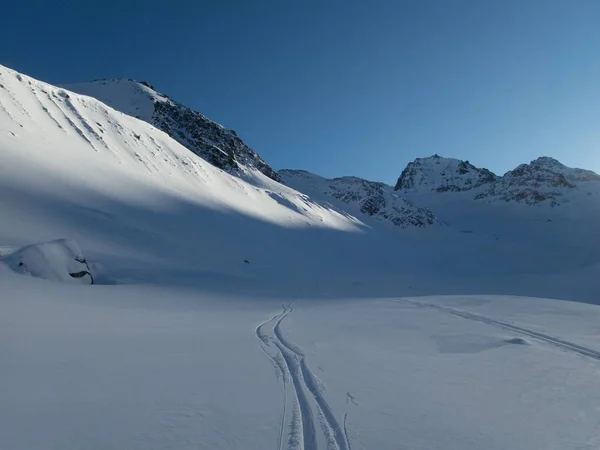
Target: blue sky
{"points": [[344, 87]]}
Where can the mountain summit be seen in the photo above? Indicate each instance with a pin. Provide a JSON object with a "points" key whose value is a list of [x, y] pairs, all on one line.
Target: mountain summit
{"points": [[436, 173], [209, 140], [542, 180]]}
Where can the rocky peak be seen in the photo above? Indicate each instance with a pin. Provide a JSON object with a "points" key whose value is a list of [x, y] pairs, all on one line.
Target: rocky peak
{"points": [[543, 180], [209, 140], [439, 174], [361, 197]]}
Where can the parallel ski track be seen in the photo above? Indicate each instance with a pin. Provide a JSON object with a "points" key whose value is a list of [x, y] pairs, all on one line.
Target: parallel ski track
{"points": [[557, 342], [303, 380], [280, 367], [310, 382]]}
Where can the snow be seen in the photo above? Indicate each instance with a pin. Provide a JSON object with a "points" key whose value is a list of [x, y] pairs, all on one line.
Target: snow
{"points": [[59, 260], [235, 312], [128, 96]]}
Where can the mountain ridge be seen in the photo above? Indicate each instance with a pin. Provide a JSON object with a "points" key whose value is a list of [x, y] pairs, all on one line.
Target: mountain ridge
{"points": [[216, 144]]}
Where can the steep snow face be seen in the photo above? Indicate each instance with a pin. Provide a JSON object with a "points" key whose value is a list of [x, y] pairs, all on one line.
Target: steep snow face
{"points": [[440, 174], [70, 145], [219, 146], [543, 181], [362, 198]]}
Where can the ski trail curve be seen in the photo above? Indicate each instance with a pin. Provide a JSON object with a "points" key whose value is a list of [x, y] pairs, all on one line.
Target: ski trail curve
{"points": [[279, 367], [557, 342], [307, 422], [296, 358]]}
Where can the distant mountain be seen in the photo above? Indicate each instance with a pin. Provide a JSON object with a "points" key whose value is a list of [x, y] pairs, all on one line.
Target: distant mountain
{"points": [[209, 140], [361, 198], [439, 174], [544, 180]]}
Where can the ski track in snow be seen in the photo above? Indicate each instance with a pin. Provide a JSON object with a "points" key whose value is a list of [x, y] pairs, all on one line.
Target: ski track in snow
{"points": [[302, 380], [557, 342]]}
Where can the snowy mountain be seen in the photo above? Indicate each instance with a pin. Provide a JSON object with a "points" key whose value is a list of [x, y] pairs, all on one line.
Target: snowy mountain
{"points": [[544, 180], [236, 312], [439, 174], [209, 140], [361, 198], [70, 144]]}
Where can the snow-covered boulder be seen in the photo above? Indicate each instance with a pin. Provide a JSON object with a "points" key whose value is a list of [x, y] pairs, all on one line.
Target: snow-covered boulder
{"points": [[59, 260], [439, 174]]}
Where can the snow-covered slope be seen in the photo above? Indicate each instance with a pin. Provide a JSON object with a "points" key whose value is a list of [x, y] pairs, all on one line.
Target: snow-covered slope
{"points": [[77, 141], [439, 174], [207, 139], [362, 198], [544, 180], [234, 312]]}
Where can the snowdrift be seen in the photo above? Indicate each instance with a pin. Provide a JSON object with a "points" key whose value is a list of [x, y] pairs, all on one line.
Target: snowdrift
{"points": [[59, 260]]}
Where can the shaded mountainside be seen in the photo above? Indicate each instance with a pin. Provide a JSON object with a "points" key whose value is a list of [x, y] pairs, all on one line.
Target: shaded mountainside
{"points": [[362, 198], [439, 174], [209, 140]]}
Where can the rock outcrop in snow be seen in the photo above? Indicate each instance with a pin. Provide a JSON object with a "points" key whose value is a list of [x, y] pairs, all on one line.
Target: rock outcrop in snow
{"points": [[439, 174], [361, 198], [59, 260], [544, 180], [209, 140]]}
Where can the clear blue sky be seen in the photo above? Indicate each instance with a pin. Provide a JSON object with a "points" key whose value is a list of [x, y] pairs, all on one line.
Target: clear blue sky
{"points": [[344, 87]]}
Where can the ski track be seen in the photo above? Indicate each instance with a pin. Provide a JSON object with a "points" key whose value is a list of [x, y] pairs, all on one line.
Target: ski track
{"points": [[557, 342], [280, 369], [303, 380]]}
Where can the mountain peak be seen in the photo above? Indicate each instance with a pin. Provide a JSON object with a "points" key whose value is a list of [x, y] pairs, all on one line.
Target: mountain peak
{"points": [[209, 140], [544, 179], [436, 173]]}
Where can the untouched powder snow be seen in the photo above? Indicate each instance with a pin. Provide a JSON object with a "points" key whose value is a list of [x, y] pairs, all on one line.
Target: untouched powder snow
{"points": [[235, 312]]}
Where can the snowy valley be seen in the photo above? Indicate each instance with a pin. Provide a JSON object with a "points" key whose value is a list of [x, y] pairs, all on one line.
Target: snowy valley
{"points": [[234, 306]]}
